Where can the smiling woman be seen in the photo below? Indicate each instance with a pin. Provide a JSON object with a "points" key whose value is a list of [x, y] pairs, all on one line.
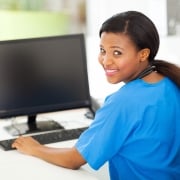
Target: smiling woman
{"points": [[120, 57]]}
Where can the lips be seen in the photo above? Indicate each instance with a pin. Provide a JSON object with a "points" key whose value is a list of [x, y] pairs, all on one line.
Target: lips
{"points": [[111, 72]]}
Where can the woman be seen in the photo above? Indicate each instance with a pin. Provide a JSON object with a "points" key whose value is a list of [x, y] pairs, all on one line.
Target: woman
{"points": [[137, 130]]}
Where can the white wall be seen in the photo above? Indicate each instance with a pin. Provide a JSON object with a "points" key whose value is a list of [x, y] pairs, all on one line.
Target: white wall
{"points": [[100, 10]]}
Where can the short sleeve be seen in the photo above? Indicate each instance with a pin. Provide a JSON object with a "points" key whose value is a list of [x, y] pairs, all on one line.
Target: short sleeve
{"points": [[106, 135]]}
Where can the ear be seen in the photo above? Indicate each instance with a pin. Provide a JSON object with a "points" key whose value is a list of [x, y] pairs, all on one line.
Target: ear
{"points": [[144, 54]]}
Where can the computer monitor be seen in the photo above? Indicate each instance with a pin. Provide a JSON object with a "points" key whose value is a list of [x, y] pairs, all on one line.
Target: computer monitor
{"points": [[42, 75]]}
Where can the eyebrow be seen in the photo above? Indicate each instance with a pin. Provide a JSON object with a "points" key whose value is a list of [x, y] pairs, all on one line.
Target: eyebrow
{"points": [[116, 47]]}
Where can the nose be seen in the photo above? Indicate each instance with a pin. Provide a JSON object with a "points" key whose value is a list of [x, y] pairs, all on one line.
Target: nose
{"points": [[106, 60]]}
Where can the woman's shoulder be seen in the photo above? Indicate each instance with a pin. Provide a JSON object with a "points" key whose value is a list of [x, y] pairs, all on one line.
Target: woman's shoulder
{"points": [[124, 93], [138, 89]]}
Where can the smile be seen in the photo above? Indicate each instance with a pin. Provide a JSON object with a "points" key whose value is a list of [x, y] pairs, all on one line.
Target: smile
{"points": [[110, 72]]}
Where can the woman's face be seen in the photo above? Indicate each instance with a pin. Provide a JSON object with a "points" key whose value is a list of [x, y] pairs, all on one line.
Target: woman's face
{"points": [[119, 57]]}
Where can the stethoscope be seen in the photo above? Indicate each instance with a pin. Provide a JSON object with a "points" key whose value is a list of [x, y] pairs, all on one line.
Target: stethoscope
{"points": [[145, 72]]}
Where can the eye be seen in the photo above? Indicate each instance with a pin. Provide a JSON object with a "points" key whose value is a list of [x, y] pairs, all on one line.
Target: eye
{"points": [[117, 53], [102, 51]]}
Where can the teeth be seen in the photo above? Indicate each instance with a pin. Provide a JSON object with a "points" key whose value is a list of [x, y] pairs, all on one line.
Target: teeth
{"points": [[110, 70]]}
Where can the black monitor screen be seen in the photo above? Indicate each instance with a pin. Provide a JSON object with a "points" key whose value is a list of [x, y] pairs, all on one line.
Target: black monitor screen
{"points": [[43, 75]]}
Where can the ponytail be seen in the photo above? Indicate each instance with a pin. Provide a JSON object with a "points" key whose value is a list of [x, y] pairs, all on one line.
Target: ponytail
{"points": [[168, 69]]}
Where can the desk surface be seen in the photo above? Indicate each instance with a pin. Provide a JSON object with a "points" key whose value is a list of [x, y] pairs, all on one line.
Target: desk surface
{"points": [[15, 165]]}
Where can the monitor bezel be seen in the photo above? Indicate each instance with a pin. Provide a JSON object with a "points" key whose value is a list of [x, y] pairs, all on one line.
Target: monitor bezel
{"points": [[34, 110]]}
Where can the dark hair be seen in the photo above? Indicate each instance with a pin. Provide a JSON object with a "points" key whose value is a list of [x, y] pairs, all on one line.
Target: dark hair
{"points": [[142, 31]]}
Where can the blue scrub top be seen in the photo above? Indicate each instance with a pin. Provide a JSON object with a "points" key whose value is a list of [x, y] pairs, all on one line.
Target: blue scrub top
{"points": [[137, 130]]}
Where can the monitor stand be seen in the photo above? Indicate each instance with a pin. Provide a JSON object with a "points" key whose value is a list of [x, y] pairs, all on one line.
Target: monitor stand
{"points": [[33, 126]]}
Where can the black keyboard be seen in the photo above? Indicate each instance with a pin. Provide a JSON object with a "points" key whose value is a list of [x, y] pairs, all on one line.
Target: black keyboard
{"points": [[48, 137]]}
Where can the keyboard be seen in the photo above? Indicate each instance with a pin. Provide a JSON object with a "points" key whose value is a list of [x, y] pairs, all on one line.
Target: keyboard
{"points": [[48, 137]]}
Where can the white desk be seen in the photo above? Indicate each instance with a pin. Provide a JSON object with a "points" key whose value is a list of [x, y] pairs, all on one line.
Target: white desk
{"points": [[17, 166]]}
